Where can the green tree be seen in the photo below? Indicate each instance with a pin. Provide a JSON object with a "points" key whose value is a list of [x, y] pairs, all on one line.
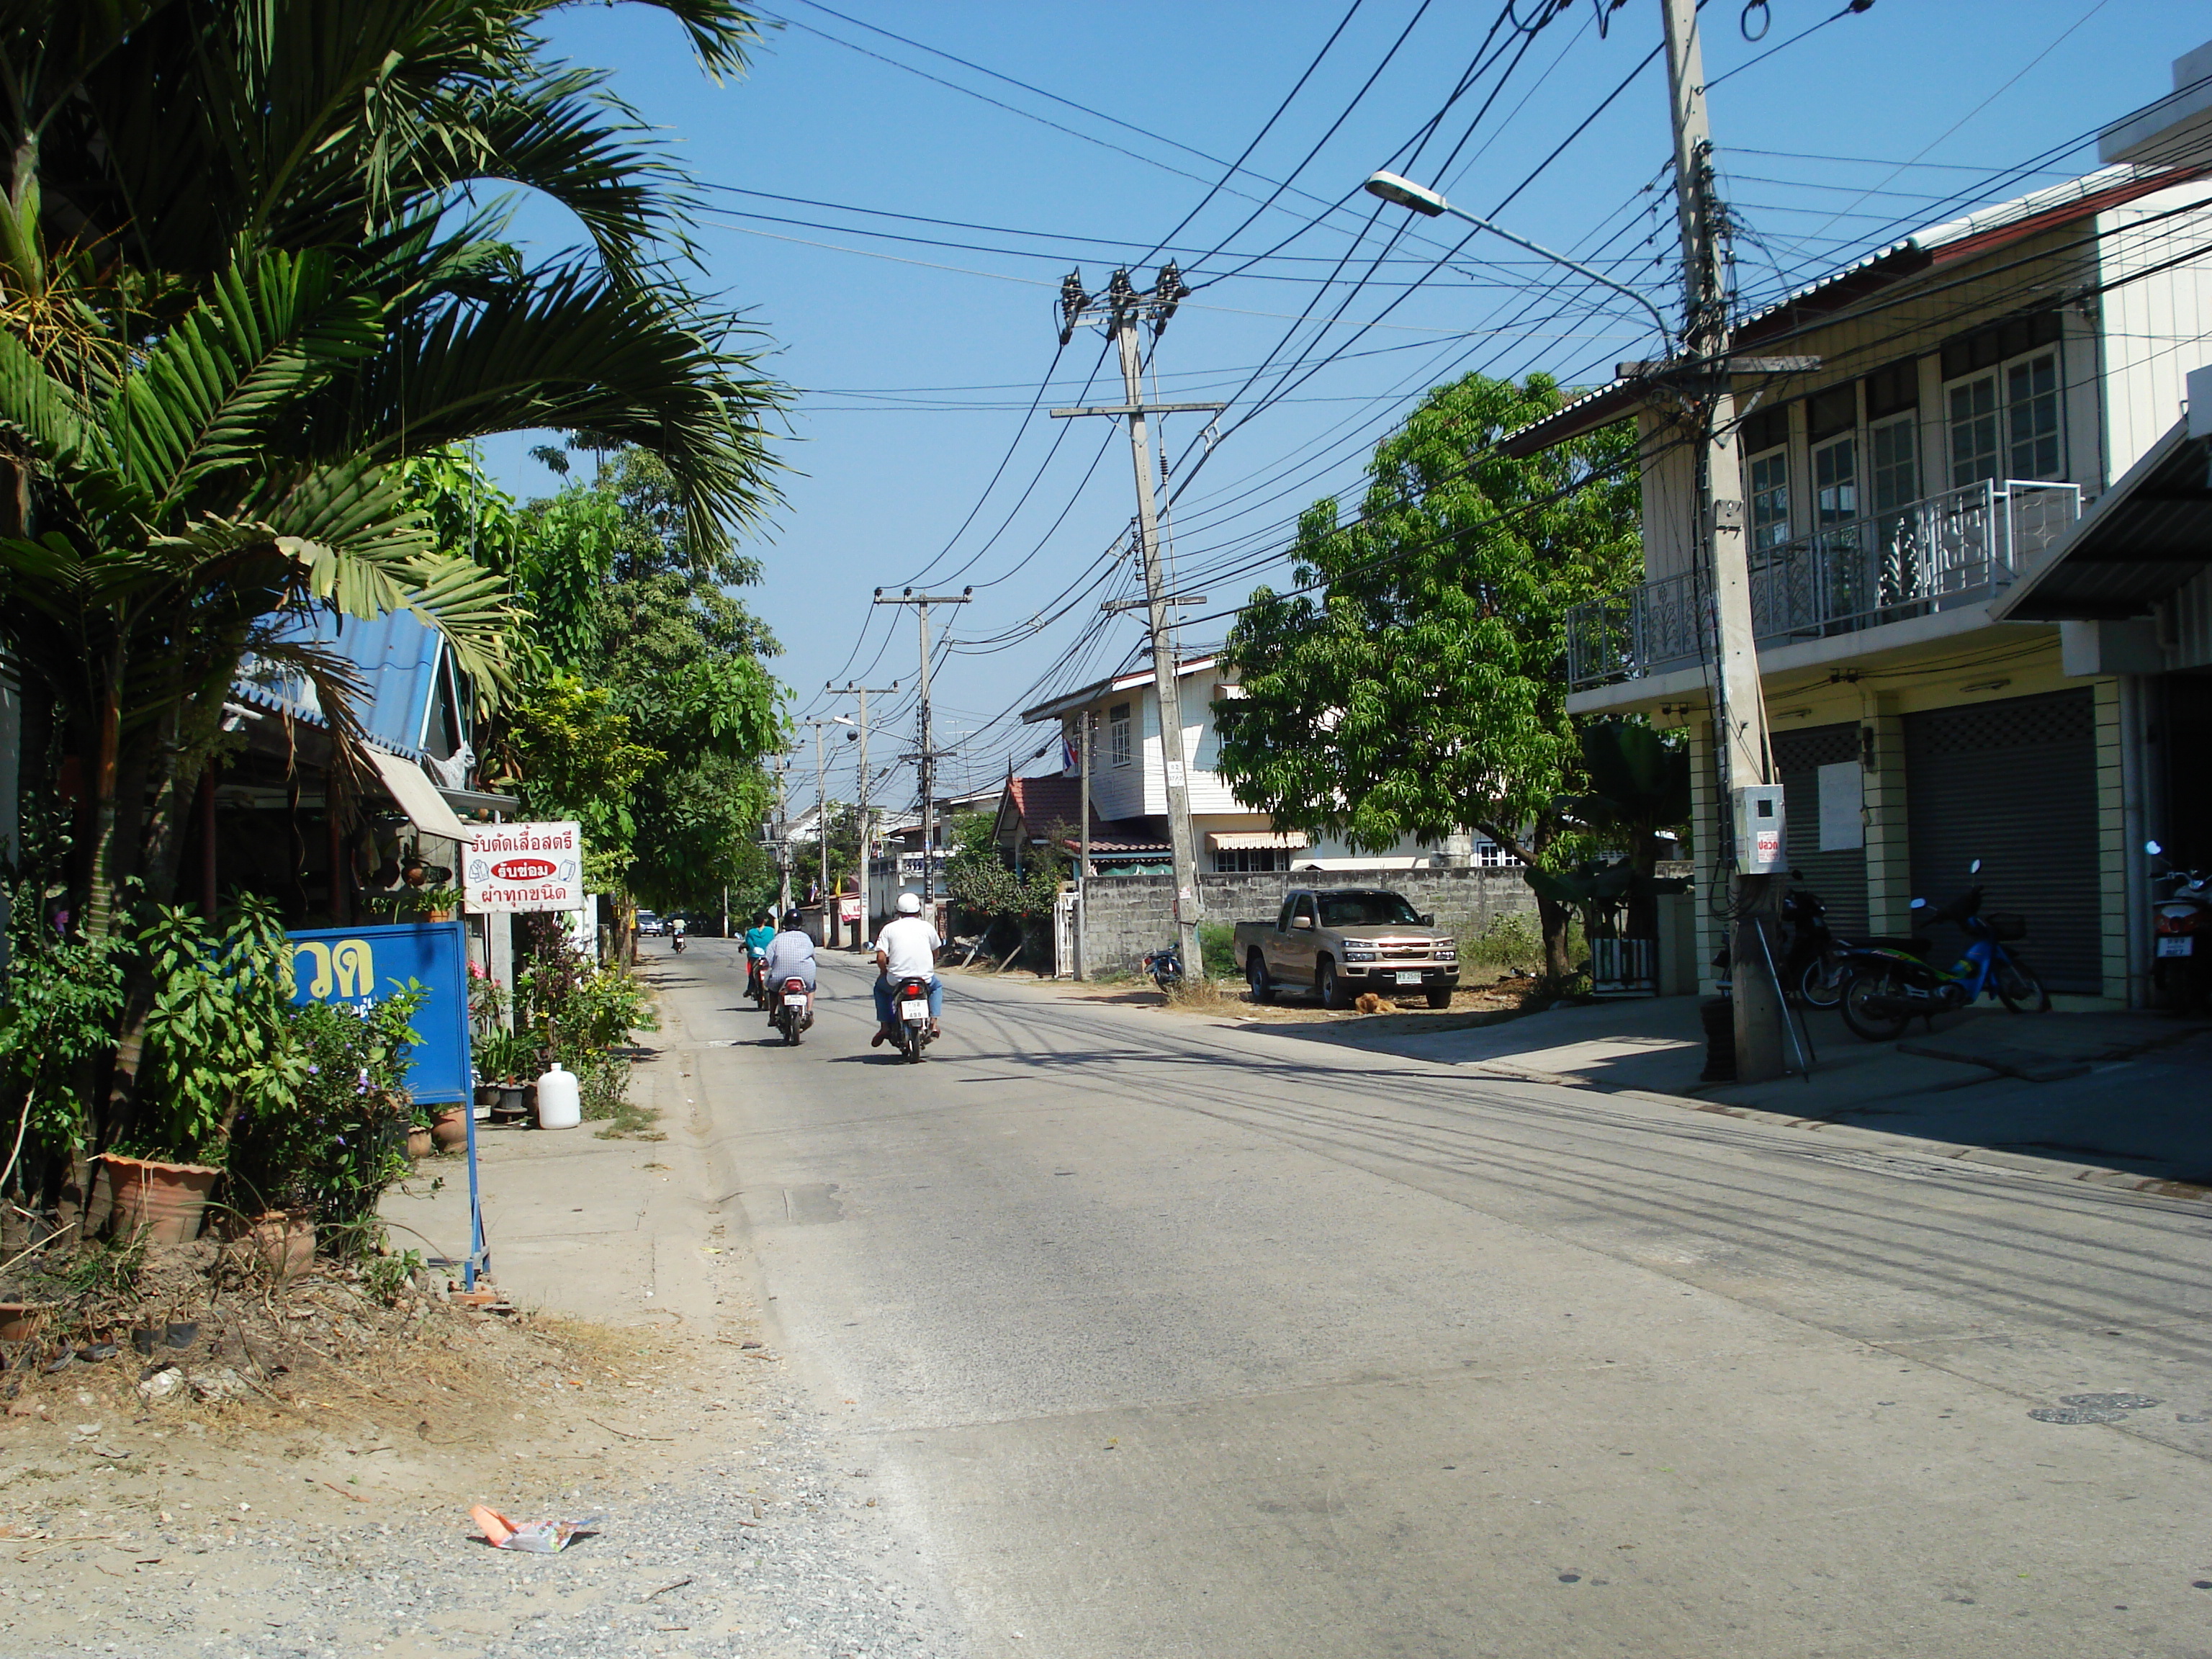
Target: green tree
{"points": [[242, 280], [1422, 688]]}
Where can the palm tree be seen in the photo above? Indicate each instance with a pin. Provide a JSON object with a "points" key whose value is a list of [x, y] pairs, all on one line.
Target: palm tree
{"points": [[244, 271]]}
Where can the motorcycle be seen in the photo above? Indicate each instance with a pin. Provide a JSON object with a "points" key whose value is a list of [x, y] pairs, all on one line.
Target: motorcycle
{"points": [[794, 1011], [910, 1017], [2181, 922], [1885, 988], [755, 984], [1812, 957], [679, 946], [1165, 966]]}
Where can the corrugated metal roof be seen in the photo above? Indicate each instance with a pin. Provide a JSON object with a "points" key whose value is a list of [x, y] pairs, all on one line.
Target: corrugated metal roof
{"points": [[398, 656], [2148, 535]]}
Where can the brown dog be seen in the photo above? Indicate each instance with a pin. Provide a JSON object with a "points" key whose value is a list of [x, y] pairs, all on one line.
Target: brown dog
{"points": [[1368, 1003]]}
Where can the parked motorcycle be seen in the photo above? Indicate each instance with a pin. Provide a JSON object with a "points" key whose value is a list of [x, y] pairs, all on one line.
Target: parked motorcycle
{"points": [[1886, 988], [1812, 957], [1165, 966], [910, 1017], [2181, 923], [794, 1010]]}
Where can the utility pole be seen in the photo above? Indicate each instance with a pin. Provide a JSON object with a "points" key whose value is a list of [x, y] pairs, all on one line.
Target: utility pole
{"points": [[926, 760], [1121, 310], [1739, 711], [783, 844], [822, 821], [867, 840], [1083, 856]]}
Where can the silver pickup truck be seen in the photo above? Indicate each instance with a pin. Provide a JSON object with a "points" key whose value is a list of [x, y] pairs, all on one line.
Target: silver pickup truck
{"points": [[1344, 940]]}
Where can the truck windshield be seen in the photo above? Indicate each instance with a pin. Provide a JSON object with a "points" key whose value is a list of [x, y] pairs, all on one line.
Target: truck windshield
{"points": [[1367, 910]]}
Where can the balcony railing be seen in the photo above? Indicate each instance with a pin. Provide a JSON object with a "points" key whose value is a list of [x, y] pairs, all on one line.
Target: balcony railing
{"points": [[1936, 555]]}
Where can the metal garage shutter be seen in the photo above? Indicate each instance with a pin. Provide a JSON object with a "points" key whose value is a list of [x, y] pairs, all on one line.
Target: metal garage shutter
{"points": [[1838, 877], [2014, 783]]}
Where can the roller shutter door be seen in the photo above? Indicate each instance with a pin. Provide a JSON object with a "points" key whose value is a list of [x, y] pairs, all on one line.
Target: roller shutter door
{"points": [[2014, 783], [1840, 876]]}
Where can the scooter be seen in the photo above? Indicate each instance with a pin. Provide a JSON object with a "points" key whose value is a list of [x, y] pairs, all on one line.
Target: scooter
{"points": [[2181, 922], [794, 1011], [1165, 966], [910, 1017], [1886, 988], [679, 946], [757, 982]]}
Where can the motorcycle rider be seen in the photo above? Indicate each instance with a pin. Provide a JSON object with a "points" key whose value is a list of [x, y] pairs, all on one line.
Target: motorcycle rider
{"points": [[790, 956], [906, 949], [757, 939]]}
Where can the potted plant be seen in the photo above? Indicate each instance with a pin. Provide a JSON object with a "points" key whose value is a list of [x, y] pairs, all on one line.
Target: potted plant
{"points": [[435, 903], [215, 1042]]}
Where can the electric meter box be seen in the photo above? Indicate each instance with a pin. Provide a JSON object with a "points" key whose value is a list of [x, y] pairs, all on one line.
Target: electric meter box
{"points": [[1758, 831]]}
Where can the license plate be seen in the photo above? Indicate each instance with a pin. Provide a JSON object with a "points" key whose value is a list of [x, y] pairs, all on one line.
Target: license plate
{"points": [[916, 1010], [797, 1005], [2172, 946], [1409, 977]]}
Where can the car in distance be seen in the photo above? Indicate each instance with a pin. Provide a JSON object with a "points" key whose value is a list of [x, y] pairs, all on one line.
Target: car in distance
{"points": [[649, 925], [1341, 941]]}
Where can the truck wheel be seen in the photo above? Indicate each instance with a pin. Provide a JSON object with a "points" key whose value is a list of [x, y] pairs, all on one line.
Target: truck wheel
{"points": [[1328, 986], [1440, 999], [1256, 978]]}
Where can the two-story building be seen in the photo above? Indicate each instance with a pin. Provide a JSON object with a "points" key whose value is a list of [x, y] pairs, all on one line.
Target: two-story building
{"points": [[1130, 792], [1979, 383]]}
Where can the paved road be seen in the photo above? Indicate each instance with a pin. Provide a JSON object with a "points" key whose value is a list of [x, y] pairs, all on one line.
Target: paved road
{"points": [[1169, 1339]]}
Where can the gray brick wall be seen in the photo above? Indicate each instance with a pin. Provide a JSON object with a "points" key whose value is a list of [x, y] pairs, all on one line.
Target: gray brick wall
{"points": [[1129, 914]]}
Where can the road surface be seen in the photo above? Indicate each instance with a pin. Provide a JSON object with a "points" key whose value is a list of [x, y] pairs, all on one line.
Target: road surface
{"points": [[1164, 1337]]}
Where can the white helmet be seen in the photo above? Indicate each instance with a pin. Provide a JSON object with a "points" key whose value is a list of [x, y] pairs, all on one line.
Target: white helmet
{"points": [[909, 904]]}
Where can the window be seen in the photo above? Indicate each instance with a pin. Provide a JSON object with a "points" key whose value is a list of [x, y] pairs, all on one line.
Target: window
{"points": [[1117, 734], [1836, 482], [2002, 403], [1236, 860], [1769, 500], [1490, 856], [1366, 908], [1895, 474]]}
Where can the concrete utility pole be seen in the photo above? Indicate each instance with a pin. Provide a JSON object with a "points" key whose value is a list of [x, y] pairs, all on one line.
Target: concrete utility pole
{"points": [[867, 840], [783, 844], [1121, 310], [1082, 844], [1739, 707], [926, 760], [822, 819]]}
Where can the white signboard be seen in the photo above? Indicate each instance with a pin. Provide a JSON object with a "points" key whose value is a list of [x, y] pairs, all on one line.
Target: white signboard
{"points": [[525, 866], [1842, 802]]}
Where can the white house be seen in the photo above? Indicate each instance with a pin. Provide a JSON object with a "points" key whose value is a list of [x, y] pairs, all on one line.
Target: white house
{"points": [[1129, 795]]}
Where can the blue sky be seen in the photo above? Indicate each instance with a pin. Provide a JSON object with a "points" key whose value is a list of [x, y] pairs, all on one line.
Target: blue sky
{"points": [[917, 360]]}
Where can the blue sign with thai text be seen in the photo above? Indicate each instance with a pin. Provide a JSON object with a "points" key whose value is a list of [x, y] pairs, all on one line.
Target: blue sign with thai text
{"points": [[356, 965]]}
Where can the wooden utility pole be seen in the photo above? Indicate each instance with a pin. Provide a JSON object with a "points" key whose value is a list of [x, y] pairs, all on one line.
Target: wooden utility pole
{"points": [[1724, 530], [1121, 310], [867, 841], [926, 759]]}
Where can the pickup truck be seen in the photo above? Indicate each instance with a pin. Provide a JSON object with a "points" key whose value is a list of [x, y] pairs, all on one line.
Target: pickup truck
{"points": [[1343, 940]]}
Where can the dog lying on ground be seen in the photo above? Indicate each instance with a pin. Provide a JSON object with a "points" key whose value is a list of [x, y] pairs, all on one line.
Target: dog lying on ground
{"points": [[1368, 1003]]}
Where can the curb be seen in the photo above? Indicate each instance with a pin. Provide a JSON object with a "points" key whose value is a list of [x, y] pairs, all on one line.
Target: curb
{"points": [[1851, 1134]]}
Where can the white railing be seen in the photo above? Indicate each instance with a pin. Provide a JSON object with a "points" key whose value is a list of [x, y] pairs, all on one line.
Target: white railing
{"points": [[1935, 555]]}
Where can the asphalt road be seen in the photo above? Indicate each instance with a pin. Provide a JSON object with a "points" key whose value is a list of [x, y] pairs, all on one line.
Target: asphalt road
{"points": [[1162, 1337]]}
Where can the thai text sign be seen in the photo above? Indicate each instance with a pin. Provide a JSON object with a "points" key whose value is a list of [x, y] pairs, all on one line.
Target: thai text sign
{"points": [[525, 866], [357, 966]]}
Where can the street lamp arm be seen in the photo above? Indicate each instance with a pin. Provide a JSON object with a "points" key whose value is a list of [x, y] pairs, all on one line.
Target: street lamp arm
{"points": [[1406, 194]]}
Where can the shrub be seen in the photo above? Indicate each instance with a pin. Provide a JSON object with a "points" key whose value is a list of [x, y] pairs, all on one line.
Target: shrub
{"points": [[1217, 950]]}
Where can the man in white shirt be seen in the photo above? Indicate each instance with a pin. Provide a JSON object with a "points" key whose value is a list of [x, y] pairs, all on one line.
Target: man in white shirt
{"points": [[906, 949]]}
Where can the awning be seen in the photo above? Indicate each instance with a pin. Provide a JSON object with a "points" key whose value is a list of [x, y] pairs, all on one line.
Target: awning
{"points": [[1240, 840], [2148, 535], [418, 797]]}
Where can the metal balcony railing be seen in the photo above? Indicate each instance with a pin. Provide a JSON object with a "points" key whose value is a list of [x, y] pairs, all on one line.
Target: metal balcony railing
{"points": [[1950, 550]]}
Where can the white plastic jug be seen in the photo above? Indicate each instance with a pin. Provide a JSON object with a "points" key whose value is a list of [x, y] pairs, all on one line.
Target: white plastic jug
{"points": [[559, 1106]]}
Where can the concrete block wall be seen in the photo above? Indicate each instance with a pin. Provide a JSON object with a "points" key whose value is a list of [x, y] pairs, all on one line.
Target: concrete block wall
{"points": [[1130, 915]]}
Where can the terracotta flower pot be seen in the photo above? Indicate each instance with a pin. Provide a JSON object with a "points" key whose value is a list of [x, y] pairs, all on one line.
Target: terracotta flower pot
{"points": [[419, 1143], [281, 1241], [165, 1202], [450, 1129], [19, 1320]]}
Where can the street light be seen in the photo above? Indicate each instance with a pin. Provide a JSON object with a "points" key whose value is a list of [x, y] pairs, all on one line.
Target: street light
{"points": [[1404, 193]]}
